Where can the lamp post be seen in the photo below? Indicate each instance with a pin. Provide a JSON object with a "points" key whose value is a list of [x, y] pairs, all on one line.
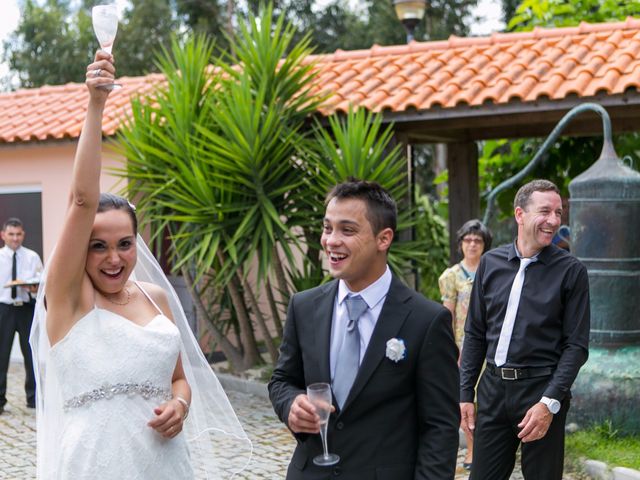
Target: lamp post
{"points": [[410, 13]]}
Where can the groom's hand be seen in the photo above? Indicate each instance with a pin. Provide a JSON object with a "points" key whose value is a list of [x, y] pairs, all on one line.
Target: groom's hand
{"points": [[302, 416]]}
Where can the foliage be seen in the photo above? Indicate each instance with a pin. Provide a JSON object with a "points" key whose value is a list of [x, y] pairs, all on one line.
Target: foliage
{"points": [[357, 146], [223, 160], [54, 37], [213, 159], [49, 44], [216, 164], [53, 41], [501, 159], [146, 27], [562, 13], [432, 231], [509, 9], [337, 25], [208, 17], [603, 443]]}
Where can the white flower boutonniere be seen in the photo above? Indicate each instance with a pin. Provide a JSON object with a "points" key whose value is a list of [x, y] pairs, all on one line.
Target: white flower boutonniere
{"points": [[396, 350]]}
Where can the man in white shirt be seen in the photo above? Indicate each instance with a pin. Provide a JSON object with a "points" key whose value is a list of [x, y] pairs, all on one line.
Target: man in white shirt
{"points": [[18, 265], [387, 352]]}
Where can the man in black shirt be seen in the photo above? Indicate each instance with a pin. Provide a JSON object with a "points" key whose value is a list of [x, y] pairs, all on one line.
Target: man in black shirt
{"points": [[529, 319]]}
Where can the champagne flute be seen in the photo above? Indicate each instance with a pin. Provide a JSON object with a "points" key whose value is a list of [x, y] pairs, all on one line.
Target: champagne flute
{"points": [[319, 395], [105, 26]]}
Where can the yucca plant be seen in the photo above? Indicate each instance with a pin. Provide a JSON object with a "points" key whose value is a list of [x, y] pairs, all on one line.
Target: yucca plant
{"points": [[210, 157], [222, 162], [358, 145]]}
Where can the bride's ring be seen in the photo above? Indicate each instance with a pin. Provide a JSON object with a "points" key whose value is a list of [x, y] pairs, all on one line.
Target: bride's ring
{"points": [[96, 72]]}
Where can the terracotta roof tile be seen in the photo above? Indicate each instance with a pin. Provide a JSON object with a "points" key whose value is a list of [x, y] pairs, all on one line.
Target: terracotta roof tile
{"points": [[580, 61]]}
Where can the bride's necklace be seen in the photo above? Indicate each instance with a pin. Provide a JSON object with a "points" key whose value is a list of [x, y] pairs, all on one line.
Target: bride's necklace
{"points": [[126, 291]]}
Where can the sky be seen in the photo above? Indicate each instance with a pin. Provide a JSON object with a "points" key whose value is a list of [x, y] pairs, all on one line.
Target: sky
{"points": [[488, 10]]}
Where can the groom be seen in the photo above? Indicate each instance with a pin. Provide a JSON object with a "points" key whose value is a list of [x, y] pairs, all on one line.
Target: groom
{"points": [[388, 353]]}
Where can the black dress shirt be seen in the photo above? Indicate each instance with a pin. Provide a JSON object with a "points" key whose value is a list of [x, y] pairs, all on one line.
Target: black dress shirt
{"points": [[551, 326]]}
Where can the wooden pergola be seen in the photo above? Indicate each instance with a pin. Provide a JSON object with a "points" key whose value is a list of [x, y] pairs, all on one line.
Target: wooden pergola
{"points": [[516, 85]]}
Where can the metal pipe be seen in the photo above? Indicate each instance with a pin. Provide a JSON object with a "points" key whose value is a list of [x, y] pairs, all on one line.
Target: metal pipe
{"points": [[608, 142]]}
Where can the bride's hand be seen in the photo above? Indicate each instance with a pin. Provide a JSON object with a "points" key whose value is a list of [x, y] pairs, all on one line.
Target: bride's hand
{"points": [[101, 72], [169, 418]]}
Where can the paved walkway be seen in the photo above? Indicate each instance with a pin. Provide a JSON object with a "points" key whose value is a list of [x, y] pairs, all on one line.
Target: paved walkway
{"points": [[272, 443], [17, 430]]}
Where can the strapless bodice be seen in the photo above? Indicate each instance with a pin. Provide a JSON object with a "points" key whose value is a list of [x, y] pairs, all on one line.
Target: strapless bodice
{"points": [[112, 374], [104, 348]]}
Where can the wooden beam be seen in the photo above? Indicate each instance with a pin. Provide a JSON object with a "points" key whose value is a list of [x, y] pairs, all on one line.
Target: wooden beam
{"points": [[514, 120], [464, 196], [400, 138]]}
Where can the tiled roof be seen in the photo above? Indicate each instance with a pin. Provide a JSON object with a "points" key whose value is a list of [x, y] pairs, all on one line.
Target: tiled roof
{"points": [[550, 64], [57, 112]]}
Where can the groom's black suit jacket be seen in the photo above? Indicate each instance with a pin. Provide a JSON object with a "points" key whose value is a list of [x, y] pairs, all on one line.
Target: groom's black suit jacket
{"points": [[401, 419]]}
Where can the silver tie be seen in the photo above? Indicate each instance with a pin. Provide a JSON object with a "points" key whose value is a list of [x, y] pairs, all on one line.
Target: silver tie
{"points": [[349, 356], [510, 315]]}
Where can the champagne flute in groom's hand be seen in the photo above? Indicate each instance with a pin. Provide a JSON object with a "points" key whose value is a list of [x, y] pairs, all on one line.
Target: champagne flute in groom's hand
{"points": [[319, 395]]}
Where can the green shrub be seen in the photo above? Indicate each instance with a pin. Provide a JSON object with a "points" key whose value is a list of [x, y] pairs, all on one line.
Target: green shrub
{"points": [[604, 443]]}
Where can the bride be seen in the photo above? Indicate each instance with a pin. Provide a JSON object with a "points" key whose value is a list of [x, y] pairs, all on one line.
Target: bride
{"points": [[124, 390]]}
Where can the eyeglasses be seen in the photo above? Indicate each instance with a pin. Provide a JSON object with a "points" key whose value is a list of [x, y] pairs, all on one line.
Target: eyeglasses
{"points": [[479, 241]]}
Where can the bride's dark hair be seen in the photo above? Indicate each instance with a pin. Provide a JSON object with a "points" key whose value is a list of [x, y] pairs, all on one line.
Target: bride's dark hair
{"points": [[109, 201]]}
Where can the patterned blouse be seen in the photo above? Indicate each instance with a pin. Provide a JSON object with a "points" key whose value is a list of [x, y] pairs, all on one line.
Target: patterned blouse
{"points": [[455, 286]]}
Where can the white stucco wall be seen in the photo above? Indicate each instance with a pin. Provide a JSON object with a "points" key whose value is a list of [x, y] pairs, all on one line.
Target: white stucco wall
{"points": [[49, 165]]}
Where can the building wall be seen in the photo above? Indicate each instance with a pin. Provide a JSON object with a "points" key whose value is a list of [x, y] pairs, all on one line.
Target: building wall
{"points": [[48, 165]]}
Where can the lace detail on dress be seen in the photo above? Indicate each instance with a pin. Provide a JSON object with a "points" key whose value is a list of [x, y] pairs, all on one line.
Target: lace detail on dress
{"points": [[105, 355]]}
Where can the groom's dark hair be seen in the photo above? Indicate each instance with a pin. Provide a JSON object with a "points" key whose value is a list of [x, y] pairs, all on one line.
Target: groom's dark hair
{"points": [[381, 207]]}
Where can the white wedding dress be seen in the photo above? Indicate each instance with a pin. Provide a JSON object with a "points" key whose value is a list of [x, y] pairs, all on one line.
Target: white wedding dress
{"points": [[112, 374]]}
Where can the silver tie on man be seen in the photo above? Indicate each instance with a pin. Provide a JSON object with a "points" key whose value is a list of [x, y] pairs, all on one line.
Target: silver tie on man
{"points": [[349, 356]]}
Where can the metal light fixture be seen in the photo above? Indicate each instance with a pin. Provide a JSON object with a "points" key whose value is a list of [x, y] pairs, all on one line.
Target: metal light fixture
{"points": [[410, 13]]}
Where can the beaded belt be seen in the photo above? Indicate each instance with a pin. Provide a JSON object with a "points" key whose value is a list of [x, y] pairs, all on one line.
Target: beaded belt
{"points": [[108, 390]]}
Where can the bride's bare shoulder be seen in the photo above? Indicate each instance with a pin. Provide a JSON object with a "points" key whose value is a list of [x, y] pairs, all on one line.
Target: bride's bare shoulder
{"points": [[154, 291], [158, 295]]}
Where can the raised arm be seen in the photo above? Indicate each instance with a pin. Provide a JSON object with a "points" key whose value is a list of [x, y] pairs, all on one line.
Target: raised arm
{"points": [[68, 290]]}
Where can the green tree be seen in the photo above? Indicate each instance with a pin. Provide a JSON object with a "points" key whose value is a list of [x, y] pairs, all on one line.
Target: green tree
{"points": [[442, 18], [509, 9], [215, 166], [145, 28], [213, 18], [223, 160], [55, 37], [358, 146], [49, 45], [54, 41], [501, 159], [338, 25], [562, 13]]}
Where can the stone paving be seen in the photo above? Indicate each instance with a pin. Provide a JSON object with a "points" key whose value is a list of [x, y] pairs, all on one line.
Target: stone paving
{"points": [[272, 443], [17, 430]]}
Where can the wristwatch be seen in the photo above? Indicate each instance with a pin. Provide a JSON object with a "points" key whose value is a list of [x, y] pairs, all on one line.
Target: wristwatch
{"points": [[552, 404]]}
